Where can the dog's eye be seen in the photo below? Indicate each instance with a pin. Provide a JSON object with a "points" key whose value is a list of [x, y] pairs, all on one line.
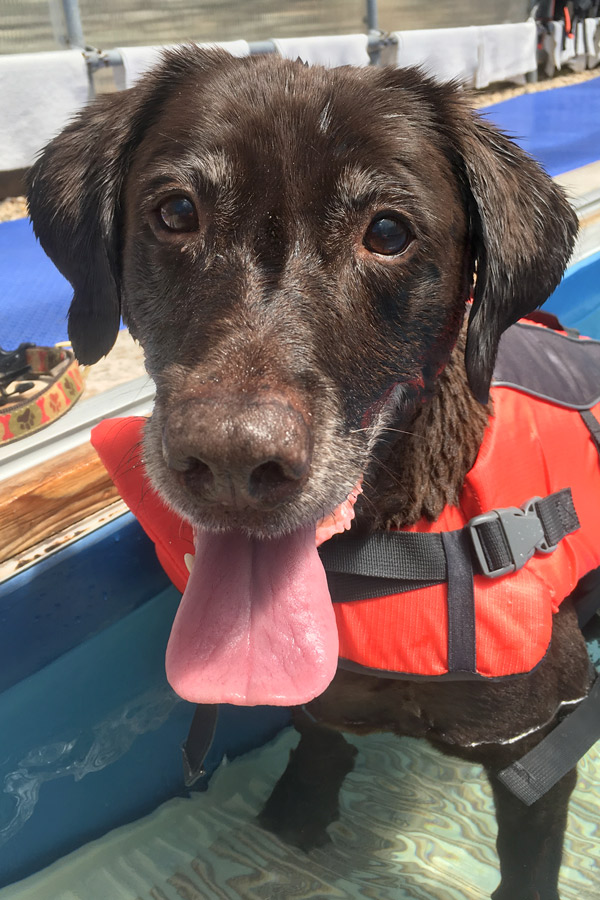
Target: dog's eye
{"points": [[178, 214], [387, 235]]}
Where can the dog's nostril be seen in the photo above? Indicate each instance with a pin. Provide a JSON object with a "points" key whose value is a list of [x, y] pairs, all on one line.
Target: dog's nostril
{"points": [[184, 464], [271, 477], [197, 475], [176, 457], [191, 464]]}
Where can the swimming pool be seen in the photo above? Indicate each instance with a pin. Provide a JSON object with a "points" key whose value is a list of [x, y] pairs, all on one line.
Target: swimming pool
{"points": [[91, 731], [576, 301]]}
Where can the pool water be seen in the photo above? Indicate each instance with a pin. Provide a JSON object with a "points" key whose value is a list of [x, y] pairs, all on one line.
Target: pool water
{"points": [[413, 825], [90, 730], [576, 301]]}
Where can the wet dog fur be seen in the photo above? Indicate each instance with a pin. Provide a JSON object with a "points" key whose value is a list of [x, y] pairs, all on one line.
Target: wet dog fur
{"points": [[239, 214]]}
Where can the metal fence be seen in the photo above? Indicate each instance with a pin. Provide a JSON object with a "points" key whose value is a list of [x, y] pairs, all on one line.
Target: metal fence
{"points": [[34, 25]]}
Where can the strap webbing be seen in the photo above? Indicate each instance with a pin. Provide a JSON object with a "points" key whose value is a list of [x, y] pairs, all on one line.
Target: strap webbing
{"points": [[532, 776], [557, 515], [199, 742], [495, 545], [461, 603], [586, 597], [388, 554], [55, 374], [593, 425], [345, 588]]}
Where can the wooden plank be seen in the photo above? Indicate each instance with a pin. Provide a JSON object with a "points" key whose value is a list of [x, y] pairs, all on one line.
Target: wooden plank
{"points": [[48, 499], [33, 555]]}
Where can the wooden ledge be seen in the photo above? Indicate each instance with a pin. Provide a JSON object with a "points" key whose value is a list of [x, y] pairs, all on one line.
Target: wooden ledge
{"points": [[50, 498]]}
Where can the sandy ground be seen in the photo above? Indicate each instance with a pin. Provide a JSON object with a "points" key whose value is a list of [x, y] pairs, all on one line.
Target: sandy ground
{"points": [[125, 361], [12, 208], [496, 93]]}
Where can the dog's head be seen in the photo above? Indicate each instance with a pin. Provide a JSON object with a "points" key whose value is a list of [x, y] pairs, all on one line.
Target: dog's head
{"points": [[295, 249]]}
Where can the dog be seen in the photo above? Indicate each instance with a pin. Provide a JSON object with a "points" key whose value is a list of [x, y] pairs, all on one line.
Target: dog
{"points": [[319, 265]]}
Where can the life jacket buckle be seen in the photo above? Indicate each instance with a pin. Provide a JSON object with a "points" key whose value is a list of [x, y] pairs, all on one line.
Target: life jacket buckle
{"points": [[505, 539]]}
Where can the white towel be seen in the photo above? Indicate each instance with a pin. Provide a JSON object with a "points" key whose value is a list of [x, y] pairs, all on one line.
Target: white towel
{"points": [[236, 48], [557, 30], [39, 93], [444, 53], [339, 50], [136, 62], [139, 60], [562, 55], [592, 42], [506, 52], [577, 61], [549, 48], [579, 39]]}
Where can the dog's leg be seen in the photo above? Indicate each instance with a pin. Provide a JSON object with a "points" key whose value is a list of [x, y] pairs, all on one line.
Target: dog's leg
{"points": [[530, 841], [305, 799]]}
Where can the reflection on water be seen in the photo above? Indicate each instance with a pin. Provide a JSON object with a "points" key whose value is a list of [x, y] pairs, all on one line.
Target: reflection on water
{"points": [[86, 752], [413, 826]]}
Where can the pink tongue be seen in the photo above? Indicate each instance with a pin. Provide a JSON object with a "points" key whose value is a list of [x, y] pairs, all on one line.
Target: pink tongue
{"points": [[256, 623]]}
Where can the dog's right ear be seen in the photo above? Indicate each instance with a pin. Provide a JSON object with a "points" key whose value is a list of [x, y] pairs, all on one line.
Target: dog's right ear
{"points": [[73, 195]]}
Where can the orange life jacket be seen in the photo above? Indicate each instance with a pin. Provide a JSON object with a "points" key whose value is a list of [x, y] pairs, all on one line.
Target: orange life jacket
{"points": [[531, 448], [537, 444]]}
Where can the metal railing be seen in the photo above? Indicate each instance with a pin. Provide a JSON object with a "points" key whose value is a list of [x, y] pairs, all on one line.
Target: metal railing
{"points": [[33, 25]]}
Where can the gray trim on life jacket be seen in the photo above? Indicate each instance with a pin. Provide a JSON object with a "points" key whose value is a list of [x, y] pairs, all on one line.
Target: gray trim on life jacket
{"points": [[547, 364]]}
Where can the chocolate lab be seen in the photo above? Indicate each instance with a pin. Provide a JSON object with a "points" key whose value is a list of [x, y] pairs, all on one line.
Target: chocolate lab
{"points": [[319, 266]]}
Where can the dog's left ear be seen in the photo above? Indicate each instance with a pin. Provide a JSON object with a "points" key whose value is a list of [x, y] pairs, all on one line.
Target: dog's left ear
{"points": [[522, 232]]}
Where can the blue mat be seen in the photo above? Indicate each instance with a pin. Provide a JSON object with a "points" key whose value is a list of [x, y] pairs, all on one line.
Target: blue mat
{"points": [[560, 127], [34, 297]]}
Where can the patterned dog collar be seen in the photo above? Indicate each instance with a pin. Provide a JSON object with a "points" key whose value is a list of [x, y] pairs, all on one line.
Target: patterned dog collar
{"points": [[48, 383]]}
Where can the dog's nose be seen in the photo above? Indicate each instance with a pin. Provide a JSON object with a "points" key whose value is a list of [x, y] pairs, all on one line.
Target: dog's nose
{"points": [[239, 452]]}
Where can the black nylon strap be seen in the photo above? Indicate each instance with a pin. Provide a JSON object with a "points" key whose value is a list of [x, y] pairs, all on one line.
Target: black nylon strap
{"points": [[388, 554], [557, 515], [494, 543], [198, 742], [461, 603], [593, 425], [393, 562], [506, 538], [532, 776], [345, 588], [586, 597]]}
